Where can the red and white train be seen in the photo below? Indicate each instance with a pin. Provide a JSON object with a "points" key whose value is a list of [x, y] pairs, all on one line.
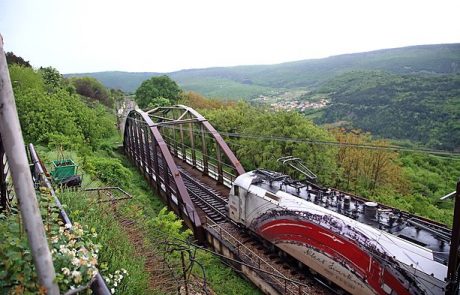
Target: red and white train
{"points": [[361, 246]]}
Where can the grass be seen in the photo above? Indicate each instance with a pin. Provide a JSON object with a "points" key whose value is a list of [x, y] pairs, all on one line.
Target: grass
{"points": [[117, 251]]}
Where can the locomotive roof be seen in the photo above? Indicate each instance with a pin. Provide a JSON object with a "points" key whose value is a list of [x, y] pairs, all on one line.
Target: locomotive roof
{"points": [[410, 239]]}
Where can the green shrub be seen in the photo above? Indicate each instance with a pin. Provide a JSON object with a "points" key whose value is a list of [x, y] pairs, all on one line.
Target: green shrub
{"points": [[108, 170]]}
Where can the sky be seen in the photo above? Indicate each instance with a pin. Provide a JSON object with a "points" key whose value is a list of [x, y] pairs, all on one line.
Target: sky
{"points": [[168, 35]]}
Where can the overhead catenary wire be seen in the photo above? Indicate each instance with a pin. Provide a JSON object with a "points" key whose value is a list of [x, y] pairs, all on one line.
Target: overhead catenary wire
{"points": [[437, 152]]}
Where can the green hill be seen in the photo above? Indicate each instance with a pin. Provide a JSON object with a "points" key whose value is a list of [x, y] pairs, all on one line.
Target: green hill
{"points": [[250, 81], [403, 93], [421, 108]]}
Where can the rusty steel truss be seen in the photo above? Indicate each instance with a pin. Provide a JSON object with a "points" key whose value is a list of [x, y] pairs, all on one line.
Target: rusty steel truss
{"points": [[152, 140]]}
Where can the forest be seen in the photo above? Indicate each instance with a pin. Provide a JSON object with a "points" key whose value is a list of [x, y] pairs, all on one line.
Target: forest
{"points": [[412, 181], [419, 108]]}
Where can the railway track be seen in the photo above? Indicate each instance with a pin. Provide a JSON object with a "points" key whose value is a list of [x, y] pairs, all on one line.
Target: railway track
{"points": [[276, 263], [206, 198]]}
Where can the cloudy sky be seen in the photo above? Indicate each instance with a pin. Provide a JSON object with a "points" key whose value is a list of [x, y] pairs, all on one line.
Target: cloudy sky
{"points": [[169, 35]]}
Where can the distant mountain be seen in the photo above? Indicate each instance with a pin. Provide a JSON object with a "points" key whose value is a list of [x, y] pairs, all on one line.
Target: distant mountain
{"points": [[250, 81]]}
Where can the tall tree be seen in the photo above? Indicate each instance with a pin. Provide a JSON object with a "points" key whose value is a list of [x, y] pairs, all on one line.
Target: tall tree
{"points": [[90, 87], [157, 91], [11, 58]]}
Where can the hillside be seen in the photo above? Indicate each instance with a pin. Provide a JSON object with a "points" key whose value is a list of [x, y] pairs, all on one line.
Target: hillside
{"points": [[250, 81], [421, 108]]}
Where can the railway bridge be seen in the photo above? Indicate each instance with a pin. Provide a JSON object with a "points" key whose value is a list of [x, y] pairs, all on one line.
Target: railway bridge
{"points": [[189, 165]]}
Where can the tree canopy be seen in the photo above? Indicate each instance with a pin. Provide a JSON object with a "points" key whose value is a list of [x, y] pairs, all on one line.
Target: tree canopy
{"points": [[94, 89], [49, 114], [12, 58], [407, 181], [421, 108], [157, 91]]}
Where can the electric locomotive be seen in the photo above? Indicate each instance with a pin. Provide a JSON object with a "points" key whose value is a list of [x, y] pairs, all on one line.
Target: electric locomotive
{"points": [[361, 246]]}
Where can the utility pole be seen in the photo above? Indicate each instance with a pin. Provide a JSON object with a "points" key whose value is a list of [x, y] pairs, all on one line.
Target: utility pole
{"points": [[13, 143]]}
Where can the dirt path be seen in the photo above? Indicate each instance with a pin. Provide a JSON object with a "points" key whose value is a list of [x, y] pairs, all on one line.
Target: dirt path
{"points": [[159, 279]]}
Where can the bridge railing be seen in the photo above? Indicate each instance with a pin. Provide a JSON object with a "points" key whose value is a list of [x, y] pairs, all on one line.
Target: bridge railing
{"points": [[185, 152], [193, 139], [147, 150]]}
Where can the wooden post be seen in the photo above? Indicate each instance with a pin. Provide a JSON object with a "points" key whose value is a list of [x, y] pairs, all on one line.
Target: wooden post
{"points": [[184, 272], [13, 143]]}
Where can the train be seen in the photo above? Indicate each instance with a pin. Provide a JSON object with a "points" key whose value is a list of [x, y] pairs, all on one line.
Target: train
{"points": [[361, 246]]}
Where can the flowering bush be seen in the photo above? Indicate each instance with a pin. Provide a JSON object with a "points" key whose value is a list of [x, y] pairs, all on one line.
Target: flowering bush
{"points": [[74, 253], [113, 281]]}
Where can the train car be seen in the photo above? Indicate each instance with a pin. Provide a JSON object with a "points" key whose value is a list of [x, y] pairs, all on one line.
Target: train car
{"points": [[361, 246]]}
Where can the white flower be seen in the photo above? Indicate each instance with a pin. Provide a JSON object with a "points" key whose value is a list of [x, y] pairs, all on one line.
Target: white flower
{"points": [[115, 284], [92, 272], [107, 280], [112, 291], [76, 261], [63, 249], [76, 276], [65, 271]]}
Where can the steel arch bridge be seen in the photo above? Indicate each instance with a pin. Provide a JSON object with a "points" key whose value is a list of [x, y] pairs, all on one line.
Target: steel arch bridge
{"points": [[153, 140]]}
